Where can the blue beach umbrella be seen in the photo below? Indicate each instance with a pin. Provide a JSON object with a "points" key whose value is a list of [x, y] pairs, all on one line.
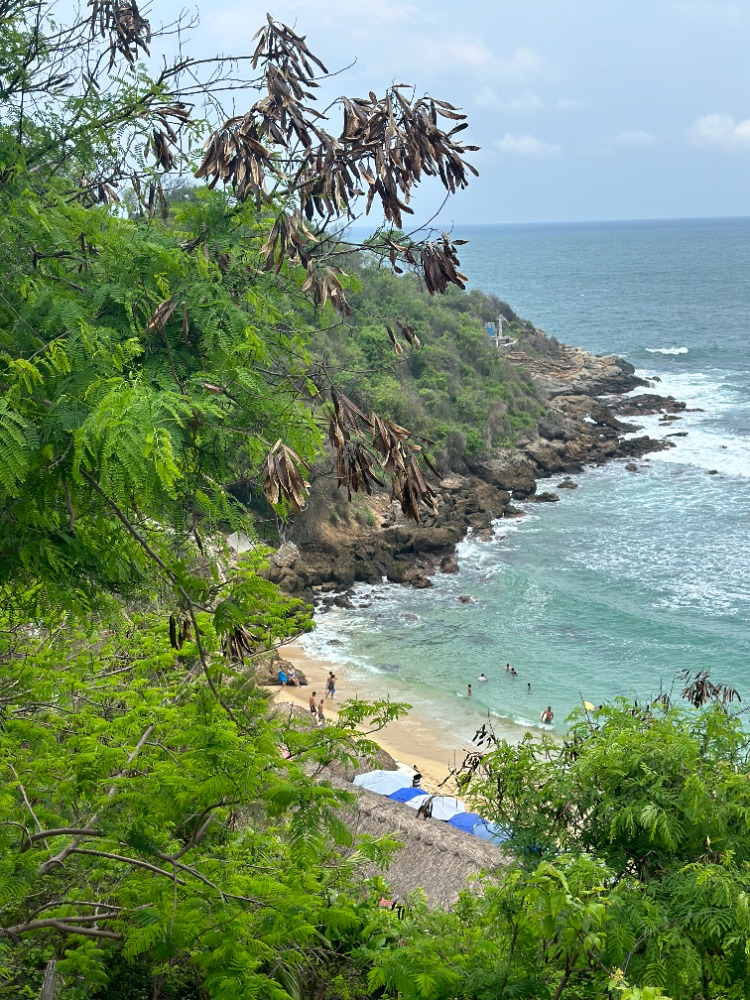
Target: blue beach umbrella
{"points": [[490, 831], [383, 782], [477, 826], [465, 821], [408, 796]]}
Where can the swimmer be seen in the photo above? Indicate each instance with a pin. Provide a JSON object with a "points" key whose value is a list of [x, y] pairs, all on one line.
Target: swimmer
{"points": [[481, 677]]}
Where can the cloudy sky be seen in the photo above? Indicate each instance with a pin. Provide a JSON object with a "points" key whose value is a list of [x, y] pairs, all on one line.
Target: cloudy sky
{"points": [[584, 109]]}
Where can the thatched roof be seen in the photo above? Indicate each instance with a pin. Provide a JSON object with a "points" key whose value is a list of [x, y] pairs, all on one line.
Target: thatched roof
{"points": [[435, 857], [381, 760]]}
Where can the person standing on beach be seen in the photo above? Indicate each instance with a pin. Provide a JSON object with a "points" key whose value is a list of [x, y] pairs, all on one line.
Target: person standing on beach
{"points": [[469, 691], [321, 714], [331, 685], [313, 703]]}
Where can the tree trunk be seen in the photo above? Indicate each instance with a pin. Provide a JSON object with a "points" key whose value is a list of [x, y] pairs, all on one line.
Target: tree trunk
{"points": [[49, 986]]}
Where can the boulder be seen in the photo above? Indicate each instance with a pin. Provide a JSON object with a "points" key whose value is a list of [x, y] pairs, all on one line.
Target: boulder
{"points": [[544, 498], [549, 456], [402, 571], [635, 447], [428, 539], [267, 669], [449, 564], [647, 403], [513, 473]]}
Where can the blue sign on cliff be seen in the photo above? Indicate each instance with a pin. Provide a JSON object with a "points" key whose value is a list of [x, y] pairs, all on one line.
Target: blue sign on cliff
{"points": [[490, 328]]}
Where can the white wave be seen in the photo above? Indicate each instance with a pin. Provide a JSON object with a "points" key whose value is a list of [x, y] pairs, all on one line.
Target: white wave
{"points": [[667, 350], [713, 400]]}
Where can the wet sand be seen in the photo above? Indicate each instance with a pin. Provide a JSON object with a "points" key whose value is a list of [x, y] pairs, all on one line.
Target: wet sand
{"points": [[413, 741]]}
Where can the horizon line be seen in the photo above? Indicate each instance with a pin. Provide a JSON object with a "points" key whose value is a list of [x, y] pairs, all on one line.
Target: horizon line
{"points": [[580, 222], [573, 222]]}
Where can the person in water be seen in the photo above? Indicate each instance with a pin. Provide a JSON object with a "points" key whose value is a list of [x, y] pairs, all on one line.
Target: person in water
{"points": [[481, 677], [547, 715], [469, 691]]}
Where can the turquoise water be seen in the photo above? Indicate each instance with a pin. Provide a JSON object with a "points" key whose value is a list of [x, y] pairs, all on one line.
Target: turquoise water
{"points": [[633, 577]]}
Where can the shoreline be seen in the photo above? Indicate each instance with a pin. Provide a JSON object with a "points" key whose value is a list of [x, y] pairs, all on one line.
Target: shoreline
{"points": [[330, 558], [414, 741]]}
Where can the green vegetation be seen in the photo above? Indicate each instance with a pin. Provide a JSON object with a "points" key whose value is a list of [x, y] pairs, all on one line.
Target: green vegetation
{"points": [[455, 389], [631, 841], [150, 822], [164, 833]]}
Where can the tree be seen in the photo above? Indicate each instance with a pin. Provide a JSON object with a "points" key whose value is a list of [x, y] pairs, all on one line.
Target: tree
{"points": [[153, 809], [657, 796], [143, 818], [146, 367]]}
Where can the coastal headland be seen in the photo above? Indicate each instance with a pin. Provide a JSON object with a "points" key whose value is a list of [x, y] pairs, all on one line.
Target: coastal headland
{"points": [[585, 399], [331, 546]]}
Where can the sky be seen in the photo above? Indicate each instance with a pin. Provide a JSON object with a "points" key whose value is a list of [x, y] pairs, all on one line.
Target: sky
{"points": [[584, 109]]}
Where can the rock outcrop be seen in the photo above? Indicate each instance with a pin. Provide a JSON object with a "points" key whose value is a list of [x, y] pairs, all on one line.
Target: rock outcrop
{"points": [[334, 544]]}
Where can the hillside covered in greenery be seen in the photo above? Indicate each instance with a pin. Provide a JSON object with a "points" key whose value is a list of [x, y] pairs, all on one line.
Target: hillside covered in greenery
{"points": [[455, 387]]}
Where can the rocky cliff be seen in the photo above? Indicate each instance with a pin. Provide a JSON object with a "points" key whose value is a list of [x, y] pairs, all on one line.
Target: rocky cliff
{"points": [[332, 544]]}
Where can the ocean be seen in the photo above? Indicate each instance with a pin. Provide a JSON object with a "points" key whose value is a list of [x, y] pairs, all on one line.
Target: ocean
{"points": [[633, 577]]}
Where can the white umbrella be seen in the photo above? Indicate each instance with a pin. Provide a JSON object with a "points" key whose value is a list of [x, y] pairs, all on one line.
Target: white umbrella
{"points": [[383, 782], [446, 807], [416, 802]]}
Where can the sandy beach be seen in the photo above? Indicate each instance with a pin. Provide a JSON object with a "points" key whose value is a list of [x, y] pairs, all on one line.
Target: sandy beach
{"points": [[412, 741]]}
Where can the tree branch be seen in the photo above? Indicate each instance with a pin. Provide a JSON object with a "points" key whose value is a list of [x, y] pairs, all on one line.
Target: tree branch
{"points": [[130, 527], [59, 858], [126, 860], [25, 798], [58, 832], [60, 925]]}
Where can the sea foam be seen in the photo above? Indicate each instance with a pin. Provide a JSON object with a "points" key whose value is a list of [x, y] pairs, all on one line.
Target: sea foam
{"points": [[667, 350], [709, 443]]}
